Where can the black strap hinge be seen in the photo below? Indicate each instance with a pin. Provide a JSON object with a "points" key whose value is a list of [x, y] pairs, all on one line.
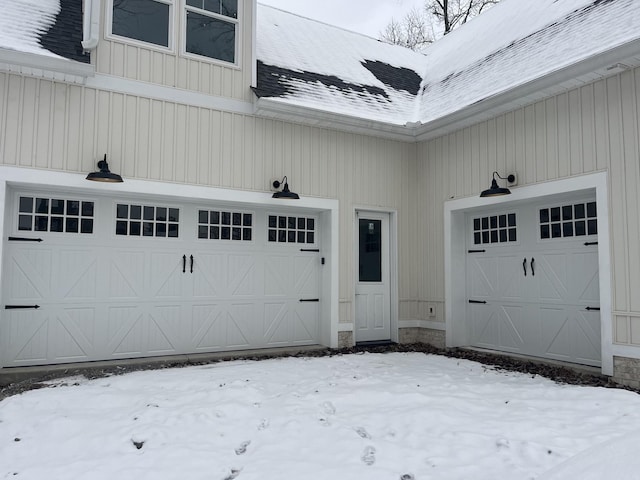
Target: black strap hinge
{"points": [[309, 300], [315, 250], [476, 251], [21, 307], [595, 309], [480, 302], [588, 244], [24, 239]]}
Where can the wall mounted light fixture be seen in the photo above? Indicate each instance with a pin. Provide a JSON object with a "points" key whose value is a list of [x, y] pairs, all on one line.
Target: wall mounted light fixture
{"points": [[285, 193], [495, 190], [104, 175]]}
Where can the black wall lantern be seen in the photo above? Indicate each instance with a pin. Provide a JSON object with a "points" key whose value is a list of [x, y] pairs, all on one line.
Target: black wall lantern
{"points": [[495, 190], [104, 175], [285, 193]]}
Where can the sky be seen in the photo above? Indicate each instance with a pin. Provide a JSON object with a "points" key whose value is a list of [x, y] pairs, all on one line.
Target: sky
{"points": [[396, 416], [369, 17]]}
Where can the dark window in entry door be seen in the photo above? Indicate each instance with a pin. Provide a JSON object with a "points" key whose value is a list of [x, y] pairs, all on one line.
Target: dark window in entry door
{"points": [[370, 250]]}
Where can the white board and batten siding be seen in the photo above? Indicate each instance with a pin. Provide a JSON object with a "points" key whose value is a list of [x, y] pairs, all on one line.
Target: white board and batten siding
{"points": [[593, 128]]}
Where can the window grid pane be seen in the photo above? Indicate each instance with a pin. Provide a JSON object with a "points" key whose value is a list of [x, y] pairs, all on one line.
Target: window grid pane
{"points": [[56, 215], [147, 221], [567, 221], [225, 225], [495, 229], [290, 229]]}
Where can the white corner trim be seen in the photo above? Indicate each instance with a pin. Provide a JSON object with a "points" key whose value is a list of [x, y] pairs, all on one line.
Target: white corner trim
{"points": [[454, 233], [91, 24], [345, 327], [170, 94]]}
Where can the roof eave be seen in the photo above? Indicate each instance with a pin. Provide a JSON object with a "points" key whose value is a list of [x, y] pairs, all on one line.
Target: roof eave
{"points": [[272, 108], [44, 66], [580, 73]]}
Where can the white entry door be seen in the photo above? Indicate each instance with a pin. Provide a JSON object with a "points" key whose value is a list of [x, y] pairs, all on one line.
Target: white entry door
{"points": [[533, 281], [373, 290]]}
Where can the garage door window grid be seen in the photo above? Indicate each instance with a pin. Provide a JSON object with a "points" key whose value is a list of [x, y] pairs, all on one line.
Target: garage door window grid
{"points": [[286, 229], [495, 229], [566, 221], [225, 225], [147, 221], [43, 214]]}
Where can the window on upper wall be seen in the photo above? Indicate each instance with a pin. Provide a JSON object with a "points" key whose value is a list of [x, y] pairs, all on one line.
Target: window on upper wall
{"points": [[212, 28], [148, 21]]}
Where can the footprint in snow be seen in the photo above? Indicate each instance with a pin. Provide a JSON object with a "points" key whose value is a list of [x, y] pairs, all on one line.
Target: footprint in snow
{"points": [[234, 473], [264, 424], [362, 432], [369, 455], [243, 447], [329, 408], [407, 476]]}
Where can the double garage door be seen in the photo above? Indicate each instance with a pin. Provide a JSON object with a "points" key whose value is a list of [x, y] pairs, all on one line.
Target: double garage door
{"points": [[95, 278], [532, 280]]}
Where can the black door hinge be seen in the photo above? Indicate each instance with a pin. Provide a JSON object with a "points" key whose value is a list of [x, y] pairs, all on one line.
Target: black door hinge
{"points": [[21, 307], [480, 302], [24, 239]]}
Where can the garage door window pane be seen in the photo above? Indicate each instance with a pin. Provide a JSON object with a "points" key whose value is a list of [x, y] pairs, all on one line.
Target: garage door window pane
{"points": [[213, 225], [160, 222], [53, 215], [495, 229], [293, 230], [567, 221]]}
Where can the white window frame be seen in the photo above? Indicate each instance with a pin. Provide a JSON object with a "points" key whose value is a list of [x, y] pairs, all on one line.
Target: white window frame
{"points": [[109, 35], [238, 31]]}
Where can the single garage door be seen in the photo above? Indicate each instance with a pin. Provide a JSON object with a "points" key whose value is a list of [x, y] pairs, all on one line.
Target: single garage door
{"points": [[532, 280], [93, 278]]}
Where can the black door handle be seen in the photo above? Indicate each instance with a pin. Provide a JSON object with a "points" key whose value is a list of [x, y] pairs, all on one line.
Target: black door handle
{"points": [[524, 266], [533, 272], [191, 263], [184, 263]]}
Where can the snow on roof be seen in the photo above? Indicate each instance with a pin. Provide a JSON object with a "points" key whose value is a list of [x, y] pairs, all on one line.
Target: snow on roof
{"points": [[23, 22], [305, 62], [518, 41], [311, 64]]}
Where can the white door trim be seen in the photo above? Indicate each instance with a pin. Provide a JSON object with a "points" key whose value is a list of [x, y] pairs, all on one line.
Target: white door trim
{"points": [[393, 265], [454, 244]]}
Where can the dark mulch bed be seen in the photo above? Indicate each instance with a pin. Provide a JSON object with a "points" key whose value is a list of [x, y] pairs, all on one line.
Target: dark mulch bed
{"points": [[556, 373]]}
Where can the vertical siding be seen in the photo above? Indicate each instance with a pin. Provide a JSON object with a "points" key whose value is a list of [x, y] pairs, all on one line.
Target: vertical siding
{"points": [[591, 128], [135, 61]]}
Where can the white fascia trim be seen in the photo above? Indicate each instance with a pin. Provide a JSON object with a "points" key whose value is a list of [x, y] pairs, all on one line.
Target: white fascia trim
{"points": [[273, 108], [91, 24], [169, 94], [44, 65], [512, 98], [35, 178], [454, 246], [428, 324]]}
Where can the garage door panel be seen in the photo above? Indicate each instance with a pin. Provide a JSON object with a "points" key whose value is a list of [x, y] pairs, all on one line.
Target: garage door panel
{"points": [[73, 334], [28, 336], [164, 330], [277, 275], [483, 275], [206, 331], [76, 274], [306, 274], [29, 271], [586, 287], [513, 327], [305, 324], [125, 333], [167, 276], [588, 337], [126, 274], [238, 325], [276, 328]]}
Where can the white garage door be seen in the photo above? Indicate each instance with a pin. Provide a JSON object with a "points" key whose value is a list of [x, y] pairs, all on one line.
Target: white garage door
{"points": [[532, 281], [97, 279]]}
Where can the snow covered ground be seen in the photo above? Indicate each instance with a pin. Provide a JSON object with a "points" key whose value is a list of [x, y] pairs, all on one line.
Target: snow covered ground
{"points": [[370, 416]]}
